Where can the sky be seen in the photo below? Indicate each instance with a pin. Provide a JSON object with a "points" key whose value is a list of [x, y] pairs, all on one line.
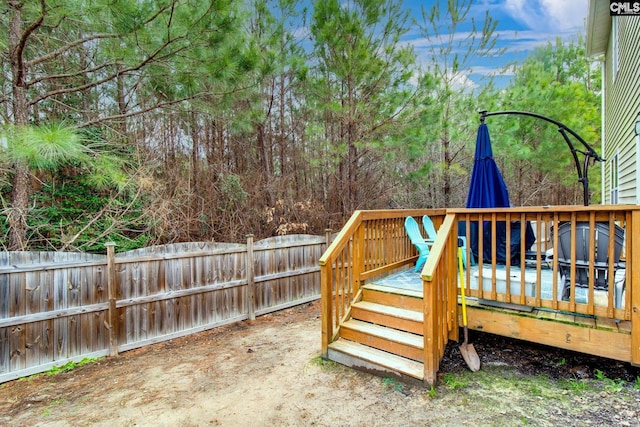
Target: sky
{"points": [[522, 26]]}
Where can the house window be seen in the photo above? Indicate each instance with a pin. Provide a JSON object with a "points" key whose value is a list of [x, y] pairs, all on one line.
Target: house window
{"points": [[615, 61], [614, 184]]}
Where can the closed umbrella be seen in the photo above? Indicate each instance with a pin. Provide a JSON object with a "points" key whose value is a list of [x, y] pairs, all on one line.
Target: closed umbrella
{"points": [[488, 190]]}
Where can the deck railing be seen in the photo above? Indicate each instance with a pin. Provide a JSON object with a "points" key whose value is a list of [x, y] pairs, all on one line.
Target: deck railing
{"points": [[371, 244], [524, 286], [527, 272]]}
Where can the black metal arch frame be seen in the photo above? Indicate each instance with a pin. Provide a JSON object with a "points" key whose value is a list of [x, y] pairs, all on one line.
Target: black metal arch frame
{"points": [[588, 152]]}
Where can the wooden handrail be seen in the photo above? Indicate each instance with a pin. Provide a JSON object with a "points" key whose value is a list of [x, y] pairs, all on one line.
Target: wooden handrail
{"points": [[358, 217], [342, 238], [534, 209], [437, 250], [439, 298]]}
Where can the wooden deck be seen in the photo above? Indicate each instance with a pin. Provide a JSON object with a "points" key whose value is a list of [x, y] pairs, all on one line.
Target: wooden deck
{"points": [[380, 317]]}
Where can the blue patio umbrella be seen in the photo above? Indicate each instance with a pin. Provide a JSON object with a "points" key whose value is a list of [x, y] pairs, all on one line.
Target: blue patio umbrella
{"points": [[488, 190]]}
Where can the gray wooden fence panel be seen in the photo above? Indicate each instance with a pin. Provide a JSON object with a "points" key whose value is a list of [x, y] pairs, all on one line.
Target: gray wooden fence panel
{"points": [[280, 266], [54, 306], [34, 285], [60, 326], [181, 276]]}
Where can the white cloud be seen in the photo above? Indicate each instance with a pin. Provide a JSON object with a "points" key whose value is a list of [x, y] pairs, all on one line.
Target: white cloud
{"points": [[556, 15], [523, 41], [523, 11], [460, 81], [566, 14]]}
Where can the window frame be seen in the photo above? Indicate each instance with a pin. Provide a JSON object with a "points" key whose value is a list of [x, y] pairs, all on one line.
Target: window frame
{"points": [[614, 179]]}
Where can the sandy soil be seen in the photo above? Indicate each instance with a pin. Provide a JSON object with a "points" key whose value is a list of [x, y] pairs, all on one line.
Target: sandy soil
{"points": [[268, 373]]}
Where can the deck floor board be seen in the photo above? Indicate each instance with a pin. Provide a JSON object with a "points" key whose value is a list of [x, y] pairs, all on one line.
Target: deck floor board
{"points": [[411, 281]]}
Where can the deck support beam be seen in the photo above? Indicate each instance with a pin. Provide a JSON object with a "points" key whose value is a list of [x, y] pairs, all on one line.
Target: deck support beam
{"points": [[553, 333]]}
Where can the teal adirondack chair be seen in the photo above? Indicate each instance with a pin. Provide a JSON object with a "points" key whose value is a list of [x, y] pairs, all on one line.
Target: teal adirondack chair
{"points": [[429, 227], [427, 223], [418, 240]]}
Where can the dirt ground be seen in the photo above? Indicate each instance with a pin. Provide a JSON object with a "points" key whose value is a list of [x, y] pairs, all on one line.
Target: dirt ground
{"points": [[268, 373]]}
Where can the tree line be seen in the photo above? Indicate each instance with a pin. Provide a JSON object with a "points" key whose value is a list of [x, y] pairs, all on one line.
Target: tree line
{"points": [[157, 121]]}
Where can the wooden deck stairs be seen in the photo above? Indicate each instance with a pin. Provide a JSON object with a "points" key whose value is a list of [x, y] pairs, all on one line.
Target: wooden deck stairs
{"points": [[384, 334]]}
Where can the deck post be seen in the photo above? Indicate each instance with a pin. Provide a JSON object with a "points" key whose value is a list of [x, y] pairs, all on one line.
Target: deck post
{"points": [[358, 257], [326, 301], [633, 248], [430, 311], [326, 298], [452, 288]]}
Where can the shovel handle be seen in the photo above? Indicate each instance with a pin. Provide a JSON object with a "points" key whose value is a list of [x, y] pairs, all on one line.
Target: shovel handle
{"points": [[462, 286]]}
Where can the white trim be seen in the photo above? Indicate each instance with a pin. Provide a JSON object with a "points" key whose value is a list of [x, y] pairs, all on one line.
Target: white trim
{"points": [[614, 179], [615, 59]]}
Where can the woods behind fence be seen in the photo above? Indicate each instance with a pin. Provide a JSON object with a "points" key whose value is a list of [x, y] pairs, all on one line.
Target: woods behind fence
{"points": [[58, 307]]}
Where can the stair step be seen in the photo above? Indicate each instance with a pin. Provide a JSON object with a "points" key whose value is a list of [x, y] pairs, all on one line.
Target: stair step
{"points": [[394, 341], [400, 298], [393, 317], [402, 313], [388, 334], [369, 359], [392, 290]]}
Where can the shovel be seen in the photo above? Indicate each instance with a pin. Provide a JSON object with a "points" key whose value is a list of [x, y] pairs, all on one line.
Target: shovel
{"points": [[468, 352]]}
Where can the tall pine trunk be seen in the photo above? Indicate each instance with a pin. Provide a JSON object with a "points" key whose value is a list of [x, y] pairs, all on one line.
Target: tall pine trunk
{"points": [[20, 195]]}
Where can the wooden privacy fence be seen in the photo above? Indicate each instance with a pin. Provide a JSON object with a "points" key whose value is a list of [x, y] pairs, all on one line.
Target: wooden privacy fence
{"points": [[58, 307]]}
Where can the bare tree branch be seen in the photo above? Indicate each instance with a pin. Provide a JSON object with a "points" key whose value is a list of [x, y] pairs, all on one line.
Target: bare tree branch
{"points": [[65, 76], [53, 54], [139, 112], [86, 227], [155, 55], [158, 106]]}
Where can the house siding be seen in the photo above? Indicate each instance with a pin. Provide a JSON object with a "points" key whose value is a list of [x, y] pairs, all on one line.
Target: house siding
{"points": [[622, 104]]}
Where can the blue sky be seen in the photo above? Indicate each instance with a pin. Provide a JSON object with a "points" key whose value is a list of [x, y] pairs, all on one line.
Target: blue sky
{"points": [[522, 25]]}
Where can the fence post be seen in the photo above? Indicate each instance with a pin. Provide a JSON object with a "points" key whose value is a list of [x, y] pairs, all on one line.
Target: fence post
{"points": [[327, 236], [112, 292], [251, 294]]}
